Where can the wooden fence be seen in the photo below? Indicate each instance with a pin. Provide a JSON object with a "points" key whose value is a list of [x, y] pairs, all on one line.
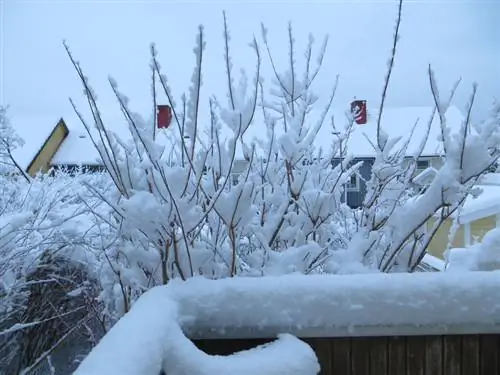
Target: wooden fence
{"points": [[405, 355]]}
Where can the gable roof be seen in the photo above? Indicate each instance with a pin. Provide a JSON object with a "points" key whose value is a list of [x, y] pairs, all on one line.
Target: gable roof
{"points": [[78, 149], [34, 130]]}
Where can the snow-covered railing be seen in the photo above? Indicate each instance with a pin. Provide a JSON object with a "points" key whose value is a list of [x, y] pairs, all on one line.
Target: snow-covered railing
{"points": [[153, 334]]}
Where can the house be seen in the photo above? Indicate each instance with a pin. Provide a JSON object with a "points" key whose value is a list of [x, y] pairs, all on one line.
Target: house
{"points": [[404, 122], [408, 123], [78, 149], [43, 137], [472, 221], [70, 147]]}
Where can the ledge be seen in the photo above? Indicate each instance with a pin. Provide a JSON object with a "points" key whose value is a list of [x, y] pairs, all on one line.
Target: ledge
{"points": [[206, 333]]}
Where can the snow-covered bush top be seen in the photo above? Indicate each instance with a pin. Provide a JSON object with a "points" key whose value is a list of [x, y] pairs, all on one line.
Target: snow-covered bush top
{"points": [[191, 209]]}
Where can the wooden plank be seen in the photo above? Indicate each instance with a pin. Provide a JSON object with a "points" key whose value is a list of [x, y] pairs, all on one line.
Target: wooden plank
{"points": [[452, 351], [397, 355], [415, 355], [360, 356], [434, 355], [341, 356], [470, 354], [323, 349], [489, 351], [412, 355], [378, 355]]}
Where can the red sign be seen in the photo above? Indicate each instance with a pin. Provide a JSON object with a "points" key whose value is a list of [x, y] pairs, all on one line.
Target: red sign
{"points": [[164, 116], [358, 109]]}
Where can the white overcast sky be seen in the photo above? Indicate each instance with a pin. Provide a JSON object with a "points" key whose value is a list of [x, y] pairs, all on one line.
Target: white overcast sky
{"points": [[459, 38]]}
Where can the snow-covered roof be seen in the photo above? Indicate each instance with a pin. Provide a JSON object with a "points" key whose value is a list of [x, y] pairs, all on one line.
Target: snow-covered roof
{"points": [[399, 122], [486, 204], [396, 121], [491, 179], [78, 149], [34, 130]]}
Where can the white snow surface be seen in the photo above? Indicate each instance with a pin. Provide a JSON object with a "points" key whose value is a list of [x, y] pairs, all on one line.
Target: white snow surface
{"points": [[34, 130], [396, 121], [483, 256], [148, 339], [475, 208], [151, 335], [78, 149], [490, 179]]}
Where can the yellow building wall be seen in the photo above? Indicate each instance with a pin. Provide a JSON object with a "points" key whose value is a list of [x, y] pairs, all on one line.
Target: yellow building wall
{"points": [[439, 243], [41, 162], [480, 227]]}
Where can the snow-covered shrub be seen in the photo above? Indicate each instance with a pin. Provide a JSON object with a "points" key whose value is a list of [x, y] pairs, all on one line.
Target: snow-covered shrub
{"points": [[43, 227], [47, 278], [392, 232], [187, 204], [9, 142]]}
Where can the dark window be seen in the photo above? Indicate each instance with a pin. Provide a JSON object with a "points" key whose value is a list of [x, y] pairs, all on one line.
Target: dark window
{"points": [[422, 164]]}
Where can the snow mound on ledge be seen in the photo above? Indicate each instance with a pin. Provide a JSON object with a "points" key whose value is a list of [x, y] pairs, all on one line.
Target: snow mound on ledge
{"points": [[148, 339], [482, 256], [151, 336]]}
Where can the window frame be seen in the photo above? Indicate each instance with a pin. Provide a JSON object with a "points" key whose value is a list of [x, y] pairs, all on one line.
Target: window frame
{"points": [[419, 169], [357, 184]]}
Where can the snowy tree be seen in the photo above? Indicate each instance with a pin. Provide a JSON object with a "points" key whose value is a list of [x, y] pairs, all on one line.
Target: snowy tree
{"points": [[9, 142]]}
